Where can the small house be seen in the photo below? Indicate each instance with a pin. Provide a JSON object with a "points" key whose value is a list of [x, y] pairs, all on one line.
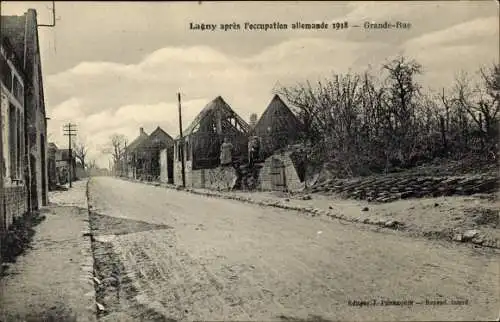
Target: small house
{"points": [[133, 160], [148, 154]]}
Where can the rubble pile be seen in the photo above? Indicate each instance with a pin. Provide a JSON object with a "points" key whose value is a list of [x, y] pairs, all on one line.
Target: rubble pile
{"points": [[387, 189]]}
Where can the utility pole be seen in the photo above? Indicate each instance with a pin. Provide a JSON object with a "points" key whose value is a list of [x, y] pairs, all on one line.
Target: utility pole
{"points": [[70, 131], [181, 143]]}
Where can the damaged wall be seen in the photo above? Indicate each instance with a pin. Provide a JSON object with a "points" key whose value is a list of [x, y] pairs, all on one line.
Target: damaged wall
{"points": [[280, 172]]}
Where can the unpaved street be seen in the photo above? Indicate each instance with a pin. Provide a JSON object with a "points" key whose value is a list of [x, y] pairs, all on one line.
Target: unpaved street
{"points": [[197, 258]]}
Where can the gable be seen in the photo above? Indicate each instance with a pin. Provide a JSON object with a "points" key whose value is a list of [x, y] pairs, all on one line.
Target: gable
{"points": [[278, 117]]}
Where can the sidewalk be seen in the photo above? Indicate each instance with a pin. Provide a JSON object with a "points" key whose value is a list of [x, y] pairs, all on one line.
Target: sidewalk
{"points": [[52, 281]]}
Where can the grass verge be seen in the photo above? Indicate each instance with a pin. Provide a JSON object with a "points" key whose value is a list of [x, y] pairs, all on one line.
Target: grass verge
{"points": [[19, 237]]}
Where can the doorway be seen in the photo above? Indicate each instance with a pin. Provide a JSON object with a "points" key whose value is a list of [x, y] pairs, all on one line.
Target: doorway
{"points": [[278, 179], [170, 165]]}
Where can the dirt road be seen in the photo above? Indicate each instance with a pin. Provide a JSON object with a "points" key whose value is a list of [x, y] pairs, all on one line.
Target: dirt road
{"points": [[198, 258]]}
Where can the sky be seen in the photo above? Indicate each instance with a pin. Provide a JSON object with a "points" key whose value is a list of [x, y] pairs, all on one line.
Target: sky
{"points": [[113, 67]]}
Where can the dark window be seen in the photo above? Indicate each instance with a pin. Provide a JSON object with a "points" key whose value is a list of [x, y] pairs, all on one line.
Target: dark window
{"points": [[188, 152], [6, 73], [12, 141], [179, 151], [18, 145], [18, 89]]}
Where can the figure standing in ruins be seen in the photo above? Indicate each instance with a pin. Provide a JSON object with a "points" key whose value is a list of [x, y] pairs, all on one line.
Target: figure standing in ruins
{"points": [[226, 152], [253, 150]]}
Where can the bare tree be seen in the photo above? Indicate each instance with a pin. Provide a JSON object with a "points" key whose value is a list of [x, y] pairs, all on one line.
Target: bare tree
{"points": [[116, 148], [362, 123], [80, 150]]}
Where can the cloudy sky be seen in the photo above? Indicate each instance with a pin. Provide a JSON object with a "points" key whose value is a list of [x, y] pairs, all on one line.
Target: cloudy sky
{"points": [[112, 67]]}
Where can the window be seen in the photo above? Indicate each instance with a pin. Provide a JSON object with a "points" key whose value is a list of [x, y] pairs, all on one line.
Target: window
{"points": [[18, 145], [179, 151], [12, 141], [6, 73], [18, 89], [188, 151]]}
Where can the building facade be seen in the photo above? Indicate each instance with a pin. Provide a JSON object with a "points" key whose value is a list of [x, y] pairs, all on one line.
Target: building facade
{"points": [[14, 193], [22, 32]]}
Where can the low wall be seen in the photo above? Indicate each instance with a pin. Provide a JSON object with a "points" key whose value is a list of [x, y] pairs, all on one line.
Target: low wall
{"points": [[178, 173], [220, 178], [15, 203]]}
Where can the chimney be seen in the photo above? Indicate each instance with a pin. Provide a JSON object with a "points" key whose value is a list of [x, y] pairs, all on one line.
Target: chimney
{"points": [[141, 130]]}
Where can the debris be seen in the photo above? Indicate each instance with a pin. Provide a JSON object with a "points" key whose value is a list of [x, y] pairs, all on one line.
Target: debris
{"points": [[469, 234], [365, 209], [458, 237], [478, 240], [390, 223], [306, 197], [97, 280], [100, 306], [436, 204], [110, 281]]}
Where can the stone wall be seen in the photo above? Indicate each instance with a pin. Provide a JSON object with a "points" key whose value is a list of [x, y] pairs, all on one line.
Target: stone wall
{"points": [[163, 166], [220, 178], [178, 173], [15, 203], [292, 180]]}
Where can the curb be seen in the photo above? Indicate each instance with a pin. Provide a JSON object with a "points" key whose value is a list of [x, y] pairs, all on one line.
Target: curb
{"points": [[87, 277], [386, 223]]}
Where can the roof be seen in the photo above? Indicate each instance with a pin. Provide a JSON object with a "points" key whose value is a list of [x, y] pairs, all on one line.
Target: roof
{"points": [[160, 131], [157, 139], [132, 146], [217, 104], [52, 145], [278, 111]]}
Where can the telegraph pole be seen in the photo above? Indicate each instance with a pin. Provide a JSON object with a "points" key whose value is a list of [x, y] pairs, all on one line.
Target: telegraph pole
{"points": [[181, 142], [70, 131]]}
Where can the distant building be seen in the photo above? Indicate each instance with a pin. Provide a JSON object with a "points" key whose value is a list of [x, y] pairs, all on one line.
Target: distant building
{"points": [[132, 157], [52, 152], [22, 33], [148, 155], [63, 163], [202, 142]]}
